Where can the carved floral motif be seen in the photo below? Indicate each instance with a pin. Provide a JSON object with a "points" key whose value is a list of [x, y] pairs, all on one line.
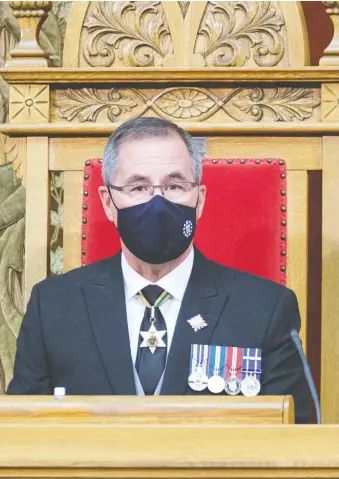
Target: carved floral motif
{"points": [[29, 103], [283, 104], [87, 103], [330, 102], [193, 103], [184, 103], [234, 33], [133, 34]]}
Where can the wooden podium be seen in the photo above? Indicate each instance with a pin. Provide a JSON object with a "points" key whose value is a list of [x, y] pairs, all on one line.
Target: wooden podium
{"points": [[161, 437]]}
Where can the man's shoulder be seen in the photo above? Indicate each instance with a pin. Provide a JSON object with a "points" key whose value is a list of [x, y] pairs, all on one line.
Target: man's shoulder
{"points": [[245, 283], [78, 276]]}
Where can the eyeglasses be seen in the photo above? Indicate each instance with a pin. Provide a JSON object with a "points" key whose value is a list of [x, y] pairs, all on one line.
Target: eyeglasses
{"points": [[172, 191]]}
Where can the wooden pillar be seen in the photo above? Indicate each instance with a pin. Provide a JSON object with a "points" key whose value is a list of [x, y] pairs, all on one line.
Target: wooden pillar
{"points": [[331, 54], [330, 260], [31, 16]]}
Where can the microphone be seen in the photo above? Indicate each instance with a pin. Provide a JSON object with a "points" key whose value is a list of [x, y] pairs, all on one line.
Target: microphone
{"points": [[295, 338]]}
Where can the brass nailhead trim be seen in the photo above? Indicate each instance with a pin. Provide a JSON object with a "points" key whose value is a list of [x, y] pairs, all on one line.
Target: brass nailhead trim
{"points": [[229, 161], [88, 162], [283, 193], [281, 162], [86, 177], [242, 161], [214, 161], [283, 209], [84, 220], [269, 160], [283, 175], [84, 207], [100, 161], [83, 236], [283, 268], [283, 223], [257, 162], [283, 237], [283, 253], [83, 251], [86, 193]]}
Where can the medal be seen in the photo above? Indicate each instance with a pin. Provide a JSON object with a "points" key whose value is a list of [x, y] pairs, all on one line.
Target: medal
{"points": [[233, 383], [216, 383], [233, 386], [250, 386], [198, 378], [251, 371], [152, 339], [198, 381]]}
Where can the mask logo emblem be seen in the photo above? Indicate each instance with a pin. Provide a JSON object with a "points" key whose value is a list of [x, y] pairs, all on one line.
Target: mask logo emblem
{"points": [[187, 229]]}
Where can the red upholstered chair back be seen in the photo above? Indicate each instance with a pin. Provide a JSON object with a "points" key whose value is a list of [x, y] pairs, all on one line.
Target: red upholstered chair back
{"points": [[243, 224]]}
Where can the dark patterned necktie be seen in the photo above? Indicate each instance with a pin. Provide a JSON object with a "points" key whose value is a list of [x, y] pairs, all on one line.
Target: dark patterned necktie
{"points": [[150, 366]]}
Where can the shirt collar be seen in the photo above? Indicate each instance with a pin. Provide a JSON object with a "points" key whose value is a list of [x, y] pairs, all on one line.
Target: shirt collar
{"points": [[175, 282]]}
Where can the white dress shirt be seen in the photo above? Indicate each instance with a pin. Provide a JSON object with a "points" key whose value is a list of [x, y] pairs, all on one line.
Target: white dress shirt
{"points": [[174, 283]]}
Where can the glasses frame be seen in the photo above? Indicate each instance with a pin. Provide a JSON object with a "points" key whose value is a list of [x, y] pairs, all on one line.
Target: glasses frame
{"points": [[122, 188]]}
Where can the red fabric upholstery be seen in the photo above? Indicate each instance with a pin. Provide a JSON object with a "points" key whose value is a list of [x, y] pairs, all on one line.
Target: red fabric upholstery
{"points": [[243, 224]]}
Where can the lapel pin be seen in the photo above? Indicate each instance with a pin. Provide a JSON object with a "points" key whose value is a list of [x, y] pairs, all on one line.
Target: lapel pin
{"points": [[197, 322]]}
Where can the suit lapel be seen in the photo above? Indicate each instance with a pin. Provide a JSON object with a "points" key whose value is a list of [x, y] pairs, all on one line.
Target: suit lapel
{"points": [[105, 299], [201, 297]]}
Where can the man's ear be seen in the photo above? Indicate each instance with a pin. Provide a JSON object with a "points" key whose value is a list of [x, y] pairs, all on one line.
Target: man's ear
{"points": [[106, 201], [201, 202]]}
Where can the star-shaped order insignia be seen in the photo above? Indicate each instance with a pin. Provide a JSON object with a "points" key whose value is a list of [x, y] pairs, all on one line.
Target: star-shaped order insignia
{"points": [[152, 339], [197, 322]]}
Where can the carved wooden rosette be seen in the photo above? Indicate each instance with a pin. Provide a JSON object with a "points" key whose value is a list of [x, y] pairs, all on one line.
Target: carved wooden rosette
{"points": [[31, 16], [331, 54]]}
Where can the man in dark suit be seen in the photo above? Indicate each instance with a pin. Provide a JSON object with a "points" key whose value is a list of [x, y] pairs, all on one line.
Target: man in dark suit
{"points": [[122, 325]]}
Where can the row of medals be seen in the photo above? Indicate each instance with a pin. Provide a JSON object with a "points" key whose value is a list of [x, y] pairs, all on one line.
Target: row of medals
{"points": [[249, 386]]}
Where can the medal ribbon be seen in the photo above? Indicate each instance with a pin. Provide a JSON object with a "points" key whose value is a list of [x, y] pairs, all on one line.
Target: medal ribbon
{"points": [[234, 358], [251, 363], [159, 302], [217, 358], [198, 360]]}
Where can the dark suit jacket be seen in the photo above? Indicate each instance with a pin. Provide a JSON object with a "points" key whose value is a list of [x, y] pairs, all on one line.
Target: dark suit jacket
{"points": [[75, 333]]}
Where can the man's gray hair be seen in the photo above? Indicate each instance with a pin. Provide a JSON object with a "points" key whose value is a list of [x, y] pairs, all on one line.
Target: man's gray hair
{"points": [[146, 127]]}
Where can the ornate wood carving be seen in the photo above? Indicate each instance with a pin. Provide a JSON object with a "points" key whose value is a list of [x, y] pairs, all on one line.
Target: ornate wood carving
{"points": [[235, 34], [29, 103], [190, 103], [87, 103], [31, 16], [330, 102], [127, 33], [331, 54]]}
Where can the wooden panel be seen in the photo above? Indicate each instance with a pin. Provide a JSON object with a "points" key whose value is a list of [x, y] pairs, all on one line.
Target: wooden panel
{"points": [[300, 153], [297, 241], [71, 153], [37, 213], [72, 219], [148, 410], [164, 451], [330, 283]]}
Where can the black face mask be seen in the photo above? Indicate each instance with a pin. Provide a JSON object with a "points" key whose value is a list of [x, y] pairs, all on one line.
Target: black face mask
{"points": [[158, 231]]}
